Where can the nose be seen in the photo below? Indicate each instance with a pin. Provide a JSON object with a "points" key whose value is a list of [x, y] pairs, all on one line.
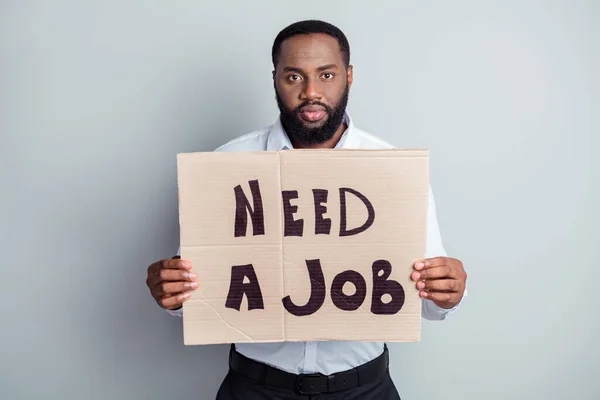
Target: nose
{"points": [[311, 90]]}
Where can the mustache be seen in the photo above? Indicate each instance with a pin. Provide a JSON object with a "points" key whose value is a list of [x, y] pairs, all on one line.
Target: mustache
{"points": [[327, 108]]}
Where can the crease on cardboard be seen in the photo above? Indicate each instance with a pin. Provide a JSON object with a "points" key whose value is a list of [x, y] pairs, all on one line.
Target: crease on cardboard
{"points": [[373, 319], [225, 321], [363, 310], [281, 258]]}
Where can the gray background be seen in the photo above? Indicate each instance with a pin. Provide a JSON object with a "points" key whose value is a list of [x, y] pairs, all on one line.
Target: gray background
{"points": [[97, 97]]}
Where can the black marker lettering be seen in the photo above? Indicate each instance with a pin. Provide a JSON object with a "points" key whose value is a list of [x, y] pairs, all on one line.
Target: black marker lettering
{"points": [[322, 225], [340, 299], [370, 209], [237, 288], [256, 213], [317, 292], [381, 286], [291, 227]]}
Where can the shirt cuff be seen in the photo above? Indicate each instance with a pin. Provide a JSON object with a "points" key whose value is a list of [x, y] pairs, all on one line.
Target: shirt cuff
{"points": [[176, 313], [433, 312]]}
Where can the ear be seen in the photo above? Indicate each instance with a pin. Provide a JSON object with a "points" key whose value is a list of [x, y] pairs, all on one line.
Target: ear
{"points": [[350, 72], [273, 74]]}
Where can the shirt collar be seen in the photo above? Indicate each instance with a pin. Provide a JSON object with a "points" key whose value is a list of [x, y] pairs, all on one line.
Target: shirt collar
{"points": [[279, 140]]}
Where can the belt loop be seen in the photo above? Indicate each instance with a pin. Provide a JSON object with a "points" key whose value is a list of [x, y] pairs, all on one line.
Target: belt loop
{"points": [[358, 378], [387, 357]]}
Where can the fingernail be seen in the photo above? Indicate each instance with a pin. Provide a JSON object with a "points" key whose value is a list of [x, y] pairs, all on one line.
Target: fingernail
{"points": [[185, 296], [190, 285], [189, 275], [424, 294], [419, 265], [421, 285], [416, 276]]}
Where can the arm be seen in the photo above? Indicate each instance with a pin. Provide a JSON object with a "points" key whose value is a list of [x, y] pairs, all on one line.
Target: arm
{"points": [[435, 250]]}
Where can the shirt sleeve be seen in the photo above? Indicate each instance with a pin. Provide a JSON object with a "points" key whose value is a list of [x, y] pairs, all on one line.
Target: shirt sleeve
{"points": [[435, 248]]}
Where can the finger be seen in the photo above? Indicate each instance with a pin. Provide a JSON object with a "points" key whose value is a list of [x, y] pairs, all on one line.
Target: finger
{"points": [[174, 275], [439, 285], [176, 264], [154, 268], [431, 262], [169, 301], [440, 297], [444, 271], [175, 287]]}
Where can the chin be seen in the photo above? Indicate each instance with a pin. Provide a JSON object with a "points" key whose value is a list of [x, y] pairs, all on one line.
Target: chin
{"points": [[313, 126]]}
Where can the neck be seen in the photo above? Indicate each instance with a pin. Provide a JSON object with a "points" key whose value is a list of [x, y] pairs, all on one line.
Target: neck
{"points": [[330, 144]]}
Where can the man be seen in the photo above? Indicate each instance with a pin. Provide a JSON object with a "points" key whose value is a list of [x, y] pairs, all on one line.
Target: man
{"points": [[312, 77]]}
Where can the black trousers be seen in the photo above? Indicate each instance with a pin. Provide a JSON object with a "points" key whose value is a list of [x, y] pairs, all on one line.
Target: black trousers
{"points": [[239, 387]]}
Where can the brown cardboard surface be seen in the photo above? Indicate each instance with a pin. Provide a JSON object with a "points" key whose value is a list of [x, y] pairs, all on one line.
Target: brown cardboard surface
{"points": [[304, 195]]}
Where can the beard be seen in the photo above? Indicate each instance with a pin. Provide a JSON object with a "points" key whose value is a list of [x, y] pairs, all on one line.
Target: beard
{"points": [[297, 128]]}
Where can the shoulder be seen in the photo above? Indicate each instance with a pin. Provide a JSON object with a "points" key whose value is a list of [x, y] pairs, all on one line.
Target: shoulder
{"points": [[252, 141], [366, 140]]}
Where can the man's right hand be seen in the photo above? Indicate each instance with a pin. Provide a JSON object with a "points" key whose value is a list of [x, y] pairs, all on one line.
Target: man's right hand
{"points": [[171, 282]]}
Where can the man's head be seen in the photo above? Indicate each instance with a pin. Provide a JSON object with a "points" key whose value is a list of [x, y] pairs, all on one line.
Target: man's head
{"points": [[312, 78]]}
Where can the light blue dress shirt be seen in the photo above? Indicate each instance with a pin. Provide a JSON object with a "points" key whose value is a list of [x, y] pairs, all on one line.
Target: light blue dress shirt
{"points": [[328, 357]]}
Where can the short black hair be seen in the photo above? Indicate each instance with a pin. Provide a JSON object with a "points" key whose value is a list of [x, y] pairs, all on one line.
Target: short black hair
{"points": [[309, 27]]}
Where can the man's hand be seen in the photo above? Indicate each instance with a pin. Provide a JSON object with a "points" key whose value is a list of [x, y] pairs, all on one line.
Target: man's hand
{"points": [[442, 280], [171, 282]]}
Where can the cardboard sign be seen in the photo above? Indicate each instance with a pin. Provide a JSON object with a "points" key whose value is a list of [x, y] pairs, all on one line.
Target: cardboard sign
{"points": [[303, 245]]}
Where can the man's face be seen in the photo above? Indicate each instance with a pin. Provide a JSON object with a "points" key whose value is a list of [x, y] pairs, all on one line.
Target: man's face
{"points": [[312, 86]]}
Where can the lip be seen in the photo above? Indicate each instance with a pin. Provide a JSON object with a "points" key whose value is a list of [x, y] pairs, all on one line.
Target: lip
{"points": [[312, 113], [313, 116], [312, 107]]}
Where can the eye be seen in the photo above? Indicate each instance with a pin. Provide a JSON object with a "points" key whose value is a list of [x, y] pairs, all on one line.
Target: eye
{"points": [[328, 75], [294, 78]]}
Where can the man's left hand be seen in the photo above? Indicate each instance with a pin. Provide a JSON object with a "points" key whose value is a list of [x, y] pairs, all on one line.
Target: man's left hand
{"points": [[441, 280]]}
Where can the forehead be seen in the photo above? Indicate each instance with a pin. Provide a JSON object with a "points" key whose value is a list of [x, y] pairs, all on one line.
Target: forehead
{"points": [[308, 51]]}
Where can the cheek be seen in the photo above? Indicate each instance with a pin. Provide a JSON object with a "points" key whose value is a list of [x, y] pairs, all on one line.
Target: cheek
{"points": [[289, 95], [335, 92]]}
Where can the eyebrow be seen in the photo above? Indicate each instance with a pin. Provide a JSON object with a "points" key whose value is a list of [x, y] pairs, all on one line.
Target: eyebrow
{"points": [[322, 68]]}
